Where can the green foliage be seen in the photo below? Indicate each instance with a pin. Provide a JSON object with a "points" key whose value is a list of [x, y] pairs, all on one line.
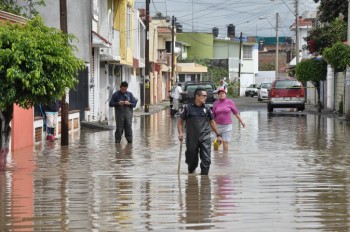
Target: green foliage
{"points": [[26, 10], [341, 106], [37, 64], [233, 90], [267, 67], [215, 72], [338, 56], [322, 37], [313, 70], [330, 9]]}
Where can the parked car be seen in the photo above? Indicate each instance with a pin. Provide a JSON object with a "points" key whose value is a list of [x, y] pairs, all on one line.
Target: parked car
{"points": [[286, 93], [263, 90], [252, 90], [190, 87]]}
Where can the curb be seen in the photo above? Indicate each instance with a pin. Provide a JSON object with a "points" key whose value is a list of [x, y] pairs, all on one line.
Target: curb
{"points": [[137, 113]]}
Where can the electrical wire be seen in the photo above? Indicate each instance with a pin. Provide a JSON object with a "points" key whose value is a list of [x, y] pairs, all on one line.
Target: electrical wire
{"points": [[207, 13]]}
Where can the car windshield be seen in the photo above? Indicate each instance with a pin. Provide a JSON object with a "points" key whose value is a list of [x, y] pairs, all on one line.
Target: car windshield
{"points": [[265, 85], [192, 88], [287, 84]]}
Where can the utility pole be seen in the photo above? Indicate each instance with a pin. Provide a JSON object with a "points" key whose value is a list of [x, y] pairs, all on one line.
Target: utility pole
{"points": [[297, 31], [277, 47], [147, 80], [240, 64], [64, 104], [347, 78], [173, 49]]}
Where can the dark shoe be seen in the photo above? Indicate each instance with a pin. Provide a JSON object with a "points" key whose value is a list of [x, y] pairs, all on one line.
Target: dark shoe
{"points": [[204, 172], [117, 141], [191, 171], [129, 141]]}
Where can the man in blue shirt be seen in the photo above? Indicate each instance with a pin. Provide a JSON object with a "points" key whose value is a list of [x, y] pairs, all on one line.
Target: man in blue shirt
{"points": [[123, 102]]}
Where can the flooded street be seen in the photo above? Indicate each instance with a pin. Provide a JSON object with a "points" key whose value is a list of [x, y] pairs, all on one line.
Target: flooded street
{"points": [[286, 171]]}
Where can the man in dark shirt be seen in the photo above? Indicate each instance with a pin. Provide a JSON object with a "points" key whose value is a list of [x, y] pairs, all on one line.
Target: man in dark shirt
{"points": [[199, 119], [123, 102]]}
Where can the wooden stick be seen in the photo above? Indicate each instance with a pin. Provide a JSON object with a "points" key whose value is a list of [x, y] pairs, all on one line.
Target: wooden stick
{"points": [[179, 163]]}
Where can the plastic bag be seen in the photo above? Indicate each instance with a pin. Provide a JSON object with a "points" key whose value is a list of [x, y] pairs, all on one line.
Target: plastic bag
{"points": [[216, 144]]}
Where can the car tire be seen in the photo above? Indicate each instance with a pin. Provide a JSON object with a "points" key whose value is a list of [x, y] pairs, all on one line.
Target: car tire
{"points": [[301, 108], [246, 94], [269, 108]]}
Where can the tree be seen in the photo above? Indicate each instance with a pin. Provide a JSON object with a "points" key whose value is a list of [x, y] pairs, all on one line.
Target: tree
{"points": [[159, 14], [27, 9], [338, 56], [37, 65], [330, 9], [320, 38], [313, 70]]}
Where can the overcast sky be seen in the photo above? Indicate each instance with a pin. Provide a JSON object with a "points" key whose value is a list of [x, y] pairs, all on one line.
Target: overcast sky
{"points": [[251, 17]]}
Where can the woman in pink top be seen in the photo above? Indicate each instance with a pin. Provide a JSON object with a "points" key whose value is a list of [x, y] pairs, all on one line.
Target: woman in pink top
{"points": [[222, 115]]}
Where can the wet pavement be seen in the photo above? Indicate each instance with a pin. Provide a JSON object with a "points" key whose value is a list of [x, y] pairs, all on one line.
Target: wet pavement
{"points": [[286, 171]]}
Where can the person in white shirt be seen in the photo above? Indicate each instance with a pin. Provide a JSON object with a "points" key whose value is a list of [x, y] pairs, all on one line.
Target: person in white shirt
{"points": [[223, 85], [176, 98]]}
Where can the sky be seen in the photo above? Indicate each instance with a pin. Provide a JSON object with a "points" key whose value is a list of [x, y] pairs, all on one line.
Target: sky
{"points": [[251, 17]]}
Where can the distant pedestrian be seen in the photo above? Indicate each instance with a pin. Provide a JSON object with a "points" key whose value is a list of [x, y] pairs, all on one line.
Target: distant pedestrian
{"points": [[199, 119], [123, 102], [223, 85], [176, 99], [51, 118], [222, 110]]}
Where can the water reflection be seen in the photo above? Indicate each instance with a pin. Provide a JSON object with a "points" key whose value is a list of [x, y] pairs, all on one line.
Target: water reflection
{"points": [[198, 203], [283, 172]]}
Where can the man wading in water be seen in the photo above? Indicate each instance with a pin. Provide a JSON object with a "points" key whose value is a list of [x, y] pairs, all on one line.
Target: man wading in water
{"points": [[199, 119]]}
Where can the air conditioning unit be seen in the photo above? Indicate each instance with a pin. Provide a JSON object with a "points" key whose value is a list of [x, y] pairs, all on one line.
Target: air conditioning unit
{"points": [[104, 51]]}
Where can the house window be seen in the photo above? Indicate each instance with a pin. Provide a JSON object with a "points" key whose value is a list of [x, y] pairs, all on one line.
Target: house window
{"points": [[182, 78], [128, 27], [95, 9], [142, 40], [247, 52], [168, 46]]}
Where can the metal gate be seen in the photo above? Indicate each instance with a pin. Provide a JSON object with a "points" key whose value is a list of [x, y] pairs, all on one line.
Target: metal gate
{"points": [[79, 98]]}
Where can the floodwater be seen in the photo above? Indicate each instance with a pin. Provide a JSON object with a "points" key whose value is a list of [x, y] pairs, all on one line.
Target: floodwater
{"points": [[283, 172]]}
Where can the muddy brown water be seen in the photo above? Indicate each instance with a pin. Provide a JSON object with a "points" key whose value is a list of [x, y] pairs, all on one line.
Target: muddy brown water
{"points": [[283, 172]]}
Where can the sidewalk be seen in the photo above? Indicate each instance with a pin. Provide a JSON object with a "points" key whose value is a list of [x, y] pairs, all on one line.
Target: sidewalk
{"points": [[152, 109], [137, 113]]}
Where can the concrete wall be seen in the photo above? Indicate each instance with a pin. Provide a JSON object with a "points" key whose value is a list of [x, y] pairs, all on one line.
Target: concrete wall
{"points": [[79, 22], [22, 128], [339, 89], [201, 44]]}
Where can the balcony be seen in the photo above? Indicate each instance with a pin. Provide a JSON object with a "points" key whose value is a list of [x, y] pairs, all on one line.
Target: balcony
{"points": [[163, 57], [112, 53]]}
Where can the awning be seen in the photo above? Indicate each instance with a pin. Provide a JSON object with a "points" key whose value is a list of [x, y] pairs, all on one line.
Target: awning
{"points": [[166, 68], [294, 61], [99, 42], [190, 68]]}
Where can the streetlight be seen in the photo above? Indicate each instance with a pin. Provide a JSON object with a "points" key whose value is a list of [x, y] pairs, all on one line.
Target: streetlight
{"points": [[277, 42]]}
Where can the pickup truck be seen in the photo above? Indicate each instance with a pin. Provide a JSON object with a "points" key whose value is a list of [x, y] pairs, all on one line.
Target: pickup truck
{"points": [[190, 87]]}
